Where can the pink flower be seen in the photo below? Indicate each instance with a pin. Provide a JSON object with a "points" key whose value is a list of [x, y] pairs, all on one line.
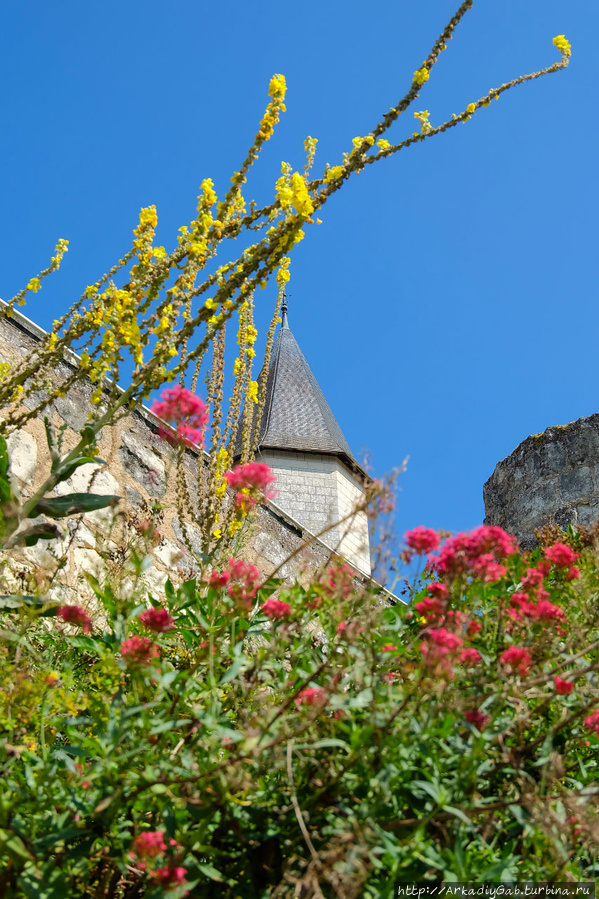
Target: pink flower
{"points": [[422, 540], [465, 553], [430, 608], [149, 844], [562, 686], [444, 638], [517, 657], [337, 581], [314, 696], [170, 876], [561, 555], [592, 722], [473, 628], [545, 611], [341, 626], [187, 411], [251, 481], [276, 608], [437, 590], [244, 580], [476, 717], [139, 651], [218, 578], [488, 569], [469, 657], [75, 615], [158, 620], [438, 656], [390, 647]]}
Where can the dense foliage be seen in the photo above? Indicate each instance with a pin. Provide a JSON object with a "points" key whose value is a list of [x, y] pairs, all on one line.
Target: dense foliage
{"points": [[241, 738]]}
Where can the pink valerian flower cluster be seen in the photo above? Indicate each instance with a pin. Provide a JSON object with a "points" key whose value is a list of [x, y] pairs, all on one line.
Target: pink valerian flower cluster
{"points": [[251, 481], [469, 657], [158, 620], [433, 607], [564, 557], [478, 553], [139, 651], [312, 696], [476, 717], [337, 581], [218, 579], [523, 606], [148, 846], [517, 658], [592, 722], [275, 608], [440, 650], [563, 687], [188, 412], [422, 540], [75, 615], [170, 876], [243, 582]]}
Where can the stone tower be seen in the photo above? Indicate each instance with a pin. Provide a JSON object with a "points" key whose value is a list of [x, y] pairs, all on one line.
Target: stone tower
{"points": [[318, 480]]}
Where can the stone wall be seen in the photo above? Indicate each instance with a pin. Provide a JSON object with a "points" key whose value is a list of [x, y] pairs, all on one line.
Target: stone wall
{"points": [[320, 490], [550, 477], [139, 463]]}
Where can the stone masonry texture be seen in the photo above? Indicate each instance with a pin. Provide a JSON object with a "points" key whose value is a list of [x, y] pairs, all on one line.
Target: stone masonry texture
{"points": [[551, 477]]}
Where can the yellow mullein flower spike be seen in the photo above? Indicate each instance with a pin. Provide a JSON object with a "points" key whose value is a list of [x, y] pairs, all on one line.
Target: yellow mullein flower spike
{"points": [[421, 75], [563, 45]]}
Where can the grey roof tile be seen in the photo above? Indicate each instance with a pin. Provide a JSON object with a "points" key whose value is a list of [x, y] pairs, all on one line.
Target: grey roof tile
{"points": [[296, 415]]}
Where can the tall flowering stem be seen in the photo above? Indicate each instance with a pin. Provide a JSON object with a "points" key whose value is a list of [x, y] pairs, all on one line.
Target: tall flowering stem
{"points": [[162, 309]]}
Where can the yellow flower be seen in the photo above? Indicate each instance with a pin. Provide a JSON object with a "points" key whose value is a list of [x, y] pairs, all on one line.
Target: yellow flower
{"points": [[217, 534], [34, 285], [334, 173], [562, 45], [300, 197], [277, 87], [471, 108], [159, 252], [283, 275], [425, 125], [421, 75], [253, 391], [383, 144]]}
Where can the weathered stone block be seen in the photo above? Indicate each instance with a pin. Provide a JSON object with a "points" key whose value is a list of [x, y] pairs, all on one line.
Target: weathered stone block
{"points": [[22, 452], [576, 483], [143, 465]]}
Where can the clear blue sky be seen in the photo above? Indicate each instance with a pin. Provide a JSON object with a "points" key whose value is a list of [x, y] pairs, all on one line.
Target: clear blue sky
{"points": [[447, 304]]}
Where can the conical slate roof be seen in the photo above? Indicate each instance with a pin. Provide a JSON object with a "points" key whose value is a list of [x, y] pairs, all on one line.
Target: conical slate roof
{"points": [[296, 415]]}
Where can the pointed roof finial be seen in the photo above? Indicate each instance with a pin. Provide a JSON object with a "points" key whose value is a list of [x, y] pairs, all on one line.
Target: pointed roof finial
{"points": [[284, 311]]}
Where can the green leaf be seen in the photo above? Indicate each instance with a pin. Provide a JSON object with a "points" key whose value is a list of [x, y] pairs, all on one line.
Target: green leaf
{"points": [[209, 871], [16, 601], [239, 664], [73, 504], [13, 846], [328, 742], [84, 643], [43, 531], [65, 471], [3, 458]]}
